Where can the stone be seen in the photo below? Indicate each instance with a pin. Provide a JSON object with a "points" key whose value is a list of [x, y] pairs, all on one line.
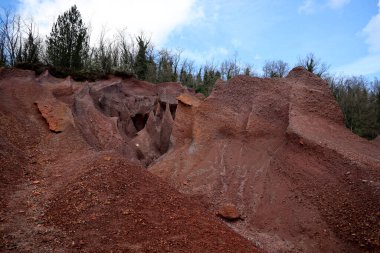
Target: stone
{"points": [[188, 99], [57, 114], [229, 212]]}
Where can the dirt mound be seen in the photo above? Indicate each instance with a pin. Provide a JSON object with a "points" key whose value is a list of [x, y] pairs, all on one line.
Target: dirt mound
{"points": [[277, 149], [135, 211], [79, 190]]}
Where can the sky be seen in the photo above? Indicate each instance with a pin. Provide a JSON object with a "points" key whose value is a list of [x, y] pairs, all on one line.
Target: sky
{"points": [[345, 34]]}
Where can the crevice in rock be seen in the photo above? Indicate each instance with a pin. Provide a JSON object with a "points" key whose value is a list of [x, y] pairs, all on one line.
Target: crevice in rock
{"points": [[146, 118], [161, 109], [139, 121], [173, 109], [163, 106]]}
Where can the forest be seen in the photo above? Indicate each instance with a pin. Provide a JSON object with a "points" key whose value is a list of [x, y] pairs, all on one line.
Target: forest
{"points": [[69, 50]]}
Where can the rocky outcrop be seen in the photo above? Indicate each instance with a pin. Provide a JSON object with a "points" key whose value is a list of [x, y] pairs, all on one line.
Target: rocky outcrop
{"points": [[129, 116], [278, 149], [80, 190], [133, 117], [57, 114], [188, 99], [271, 155]]}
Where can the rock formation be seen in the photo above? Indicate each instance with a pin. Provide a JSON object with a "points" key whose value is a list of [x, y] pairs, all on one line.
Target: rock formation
{"points": [[260, 163], [80, 187], [278, 150]]}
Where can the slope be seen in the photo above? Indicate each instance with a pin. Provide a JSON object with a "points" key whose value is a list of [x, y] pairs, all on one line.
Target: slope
{"points": [[65, 188], [277, 150]]}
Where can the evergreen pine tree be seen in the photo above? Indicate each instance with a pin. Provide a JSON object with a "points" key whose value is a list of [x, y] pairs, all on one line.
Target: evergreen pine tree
{"points": [[141, 62], [67, 45], [31, 50]]}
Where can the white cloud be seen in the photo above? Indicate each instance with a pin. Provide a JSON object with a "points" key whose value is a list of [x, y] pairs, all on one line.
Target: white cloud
{"points": [[157, 18], [307, 7], [311, 6], [212, 55], [337, 4], [364, 66], [372, 32], [369, 64]]}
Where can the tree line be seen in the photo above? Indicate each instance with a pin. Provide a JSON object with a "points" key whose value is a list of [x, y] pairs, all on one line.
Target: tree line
{"points": [[67, 51], [359, 100]]}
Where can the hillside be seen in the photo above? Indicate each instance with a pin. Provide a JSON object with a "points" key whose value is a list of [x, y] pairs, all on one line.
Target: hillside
{"points": [[76, 187], [125, 165], [277, 149]]}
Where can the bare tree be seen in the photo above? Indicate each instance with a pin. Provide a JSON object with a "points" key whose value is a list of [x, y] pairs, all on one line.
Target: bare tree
{"points": [[186, 75], [127, 50], [10, 37], [230, 68], [32, 49], [168, 63], [313, 65], [277, 68], [176, 57], [104, 54], [152, 72], [3, 55]]}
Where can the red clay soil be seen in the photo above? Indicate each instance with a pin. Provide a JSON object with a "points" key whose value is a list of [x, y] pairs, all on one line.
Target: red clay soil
{"points": [[83, 188], [261, 163], [278, 150]]}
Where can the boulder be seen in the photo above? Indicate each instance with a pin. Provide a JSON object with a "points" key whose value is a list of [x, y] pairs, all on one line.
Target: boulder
{"points": [[57, 114], [229, 212], [189, 99]]}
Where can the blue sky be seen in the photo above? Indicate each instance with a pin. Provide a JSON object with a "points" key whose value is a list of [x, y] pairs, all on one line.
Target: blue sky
{"points": [[343, 33]]}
